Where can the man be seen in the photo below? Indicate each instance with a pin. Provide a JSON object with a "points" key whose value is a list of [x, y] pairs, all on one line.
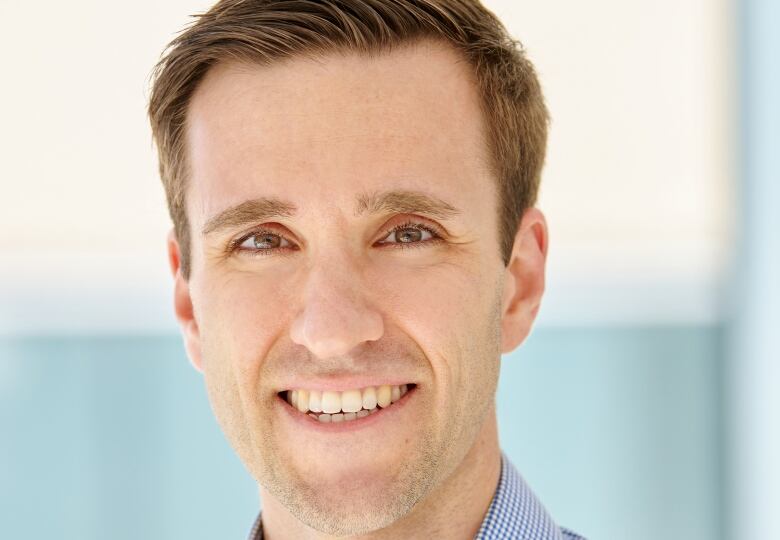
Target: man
{"points": [[355, 245]]}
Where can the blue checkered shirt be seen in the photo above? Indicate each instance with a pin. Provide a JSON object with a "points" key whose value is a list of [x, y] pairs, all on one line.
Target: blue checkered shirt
{"points": [[514, 514]]}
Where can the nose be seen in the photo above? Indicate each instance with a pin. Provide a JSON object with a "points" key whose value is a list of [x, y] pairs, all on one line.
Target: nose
{"points": [[335, 316]]}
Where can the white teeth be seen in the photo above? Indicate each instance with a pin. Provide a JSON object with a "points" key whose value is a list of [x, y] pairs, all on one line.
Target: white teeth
{"points": [[344, 406], [369, 398], [315, 401], [331, 402], [351, 401], [383, 395], [303, 400]]}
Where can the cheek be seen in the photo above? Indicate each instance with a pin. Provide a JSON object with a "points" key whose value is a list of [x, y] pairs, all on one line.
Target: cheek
{"points": [[450, 311], [435, 303], [241, 316]]}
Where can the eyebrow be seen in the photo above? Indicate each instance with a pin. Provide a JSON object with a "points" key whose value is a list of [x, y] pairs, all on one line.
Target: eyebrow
{"points": [[392, 201], [248, 212]]}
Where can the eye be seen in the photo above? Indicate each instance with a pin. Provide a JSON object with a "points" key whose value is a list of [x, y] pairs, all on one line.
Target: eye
{"points": [[410, 234], [261, 242]]}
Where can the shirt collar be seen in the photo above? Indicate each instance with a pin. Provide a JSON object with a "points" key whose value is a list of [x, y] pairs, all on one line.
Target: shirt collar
{"points": [[514, 512]]}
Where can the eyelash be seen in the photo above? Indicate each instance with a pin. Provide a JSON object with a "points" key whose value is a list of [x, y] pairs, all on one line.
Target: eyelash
{"points": [[235, 245]]}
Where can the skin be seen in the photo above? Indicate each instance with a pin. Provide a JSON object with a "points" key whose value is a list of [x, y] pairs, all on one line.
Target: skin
{"points": [[342, 301]]}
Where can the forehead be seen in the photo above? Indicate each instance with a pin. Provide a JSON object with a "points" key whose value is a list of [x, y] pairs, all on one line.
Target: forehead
{"points": [[321, 129]]}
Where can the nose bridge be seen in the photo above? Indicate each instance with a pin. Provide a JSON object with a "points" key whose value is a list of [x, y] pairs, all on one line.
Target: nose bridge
{"points": [[336, 313]]}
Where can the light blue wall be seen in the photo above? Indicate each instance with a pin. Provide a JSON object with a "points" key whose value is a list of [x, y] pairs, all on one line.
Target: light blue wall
{"points": [[616, 429], [114, 438]]}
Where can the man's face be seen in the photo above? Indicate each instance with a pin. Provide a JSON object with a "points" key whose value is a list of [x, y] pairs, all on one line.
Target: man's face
{"points": [[323, 296]]}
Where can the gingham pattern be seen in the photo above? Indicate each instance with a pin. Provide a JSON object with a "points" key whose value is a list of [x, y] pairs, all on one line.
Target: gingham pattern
{"points": [[514, 514]]}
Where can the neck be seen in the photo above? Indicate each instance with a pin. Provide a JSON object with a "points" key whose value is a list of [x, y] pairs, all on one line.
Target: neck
{"points": [[453, 509]]}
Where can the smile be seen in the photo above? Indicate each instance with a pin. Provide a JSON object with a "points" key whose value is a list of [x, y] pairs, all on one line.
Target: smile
{"points": [[330, 406]]}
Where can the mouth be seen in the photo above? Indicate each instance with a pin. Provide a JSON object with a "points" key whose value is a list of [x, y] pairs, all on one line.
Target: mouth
{"points": [[327, 406]]}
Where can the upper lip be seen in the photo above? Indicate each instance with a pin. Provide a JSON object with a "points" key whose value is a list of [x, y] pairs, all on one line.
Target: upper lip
{"points": [[342, 383]]}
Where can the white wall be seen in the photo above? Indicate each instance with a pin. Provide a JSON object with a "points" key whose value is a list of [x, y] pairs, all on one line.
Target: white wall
{"points": [[636, 189]]}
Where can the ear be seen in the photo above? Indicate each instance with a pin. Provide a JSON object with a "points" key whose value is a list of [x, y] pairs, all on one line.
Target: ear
{"points": [[524, 280], [182, 304]]}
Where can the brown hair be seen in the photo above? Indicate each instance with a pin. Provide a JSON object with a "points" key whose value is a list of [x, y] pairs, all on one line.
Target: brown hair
{"points": [[262, 31]]}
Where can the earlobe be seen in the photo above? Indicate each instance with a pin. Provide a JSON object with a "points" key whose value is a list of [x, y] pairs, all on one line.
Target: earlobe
{"points": [[524, 280], [182, 304]]}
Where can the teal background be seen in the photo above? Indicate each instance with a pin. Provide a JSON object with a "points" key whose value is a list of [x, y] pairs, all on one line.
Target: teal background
{"points": [[616, 429]]}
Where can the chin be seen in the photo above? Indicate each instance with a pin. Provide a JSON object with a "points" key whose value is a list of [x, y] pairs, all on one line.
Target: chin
{"points": [[352, 498], [341, 510]]}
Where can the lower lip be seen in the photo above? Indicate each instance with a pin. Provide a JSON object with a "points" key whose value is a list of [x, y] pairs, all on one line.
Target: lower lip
{"points": [[306, 421]]}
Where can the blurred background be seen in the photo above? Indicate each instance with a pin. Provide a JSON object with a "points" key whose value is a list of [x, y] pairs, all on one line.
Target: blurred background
{"points": [[645, 404]]}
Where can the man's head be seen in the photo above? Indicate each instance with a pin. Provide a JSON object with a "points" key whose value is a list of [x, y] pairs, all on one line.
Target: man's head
{"points": [[351, 185]]}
